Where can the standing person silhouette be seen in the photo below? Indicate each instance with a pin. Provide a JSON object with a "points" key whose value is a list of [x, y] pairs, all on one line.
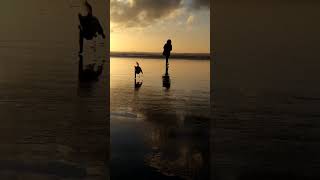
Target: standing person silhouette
{"points": [[137, 70], [89, 26], [167, 48]]}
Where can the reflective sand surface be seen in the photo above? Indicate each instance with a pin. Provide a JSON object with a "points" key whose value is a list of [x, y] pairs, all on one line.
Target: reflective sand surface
{"points": [[52, 125], [159, 132], [266, 91]]}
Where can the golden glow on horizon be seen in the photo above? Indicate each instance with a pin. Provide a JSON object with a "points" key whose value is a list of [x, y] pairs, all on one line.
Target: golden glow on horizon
{"points": [[137, 42], [190, 33]]}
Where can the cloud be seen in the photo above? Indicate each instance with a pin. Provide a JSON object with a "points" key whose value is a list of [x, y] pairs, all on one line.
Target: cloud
{"points": [[190, 20], [135, 13], [199, 4], [141, 13]]}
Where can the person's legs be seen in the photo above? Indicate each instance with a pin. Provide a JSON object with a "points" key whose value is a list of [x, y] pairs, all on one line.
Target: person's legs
{"points": [[135, 72], [80, 73], [167, 70], [81, 41]]}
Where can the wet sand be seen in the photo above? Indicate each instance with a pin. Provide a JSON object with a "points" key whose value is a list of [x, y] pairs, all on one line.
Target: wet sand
{"points": [[265, 91], [52, 125], [156, 132]]}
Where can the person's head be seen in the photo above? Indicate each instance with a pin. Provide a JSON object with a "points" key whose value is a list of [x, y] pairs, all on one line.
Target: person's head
{"points": [[169, 41], [89, 8], [137, 63]]}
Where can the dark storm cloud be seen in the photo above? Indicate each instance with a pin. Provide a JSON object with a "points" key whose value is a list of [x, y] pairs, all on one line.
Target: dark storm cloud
{"points": [[137, 13], [141, 12], [198, 4]]}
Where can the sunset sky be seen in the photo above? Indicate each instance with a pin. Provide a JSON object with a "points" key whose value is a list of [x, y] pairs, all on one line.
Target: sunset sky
{"points": [[145, 25], [136, 25]]}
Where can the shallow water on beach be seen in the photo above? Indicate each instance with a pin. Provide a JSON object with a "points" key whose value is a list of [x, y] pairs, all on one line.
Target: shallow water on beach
{"points": [[52, 125], [159, 132], [266, 92], [266, 133]]}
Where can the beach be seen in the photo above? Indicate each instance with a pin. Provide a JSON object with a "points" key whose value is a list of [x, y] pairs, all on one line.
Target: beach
{"points": [[52, 125], [265, 91], [159, 132]]}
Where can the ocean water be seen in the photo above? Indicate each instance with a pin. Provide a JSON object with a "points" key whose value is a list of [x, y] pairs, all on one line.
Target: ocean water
{"points": [[53, 126], [159, 132]]}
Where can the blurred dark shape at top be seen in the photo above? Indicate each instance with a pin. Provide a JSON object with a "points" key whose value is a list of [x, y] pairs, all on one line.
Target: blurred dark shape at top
{"points": [[89, 26]]}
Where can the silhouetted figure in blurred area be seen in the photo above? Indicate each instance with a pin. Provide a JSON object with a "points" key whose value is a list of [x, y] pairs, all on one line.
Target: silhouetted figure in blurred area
{"points": [[137, 70], [167, 48], [89, 26], [89, 73], [166, 82]]}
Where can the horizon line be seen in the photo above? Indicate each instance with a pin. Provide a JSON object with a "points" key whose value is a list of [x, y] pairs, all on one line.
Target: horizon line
{"points": [[159, 52], [200, 56]]}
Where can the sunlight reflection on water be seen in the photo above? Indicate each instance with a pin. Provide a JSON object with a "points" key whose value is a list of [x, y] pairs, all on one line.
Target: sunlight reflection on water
{"points": [[162, 132]]}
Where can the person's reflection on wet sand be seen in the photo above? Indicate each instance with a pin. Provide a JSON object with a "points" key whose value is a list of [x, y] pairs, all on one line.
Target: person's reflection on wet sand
{"points": [[137, 84], [89, 73], [179, 143], [166, 82]]}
